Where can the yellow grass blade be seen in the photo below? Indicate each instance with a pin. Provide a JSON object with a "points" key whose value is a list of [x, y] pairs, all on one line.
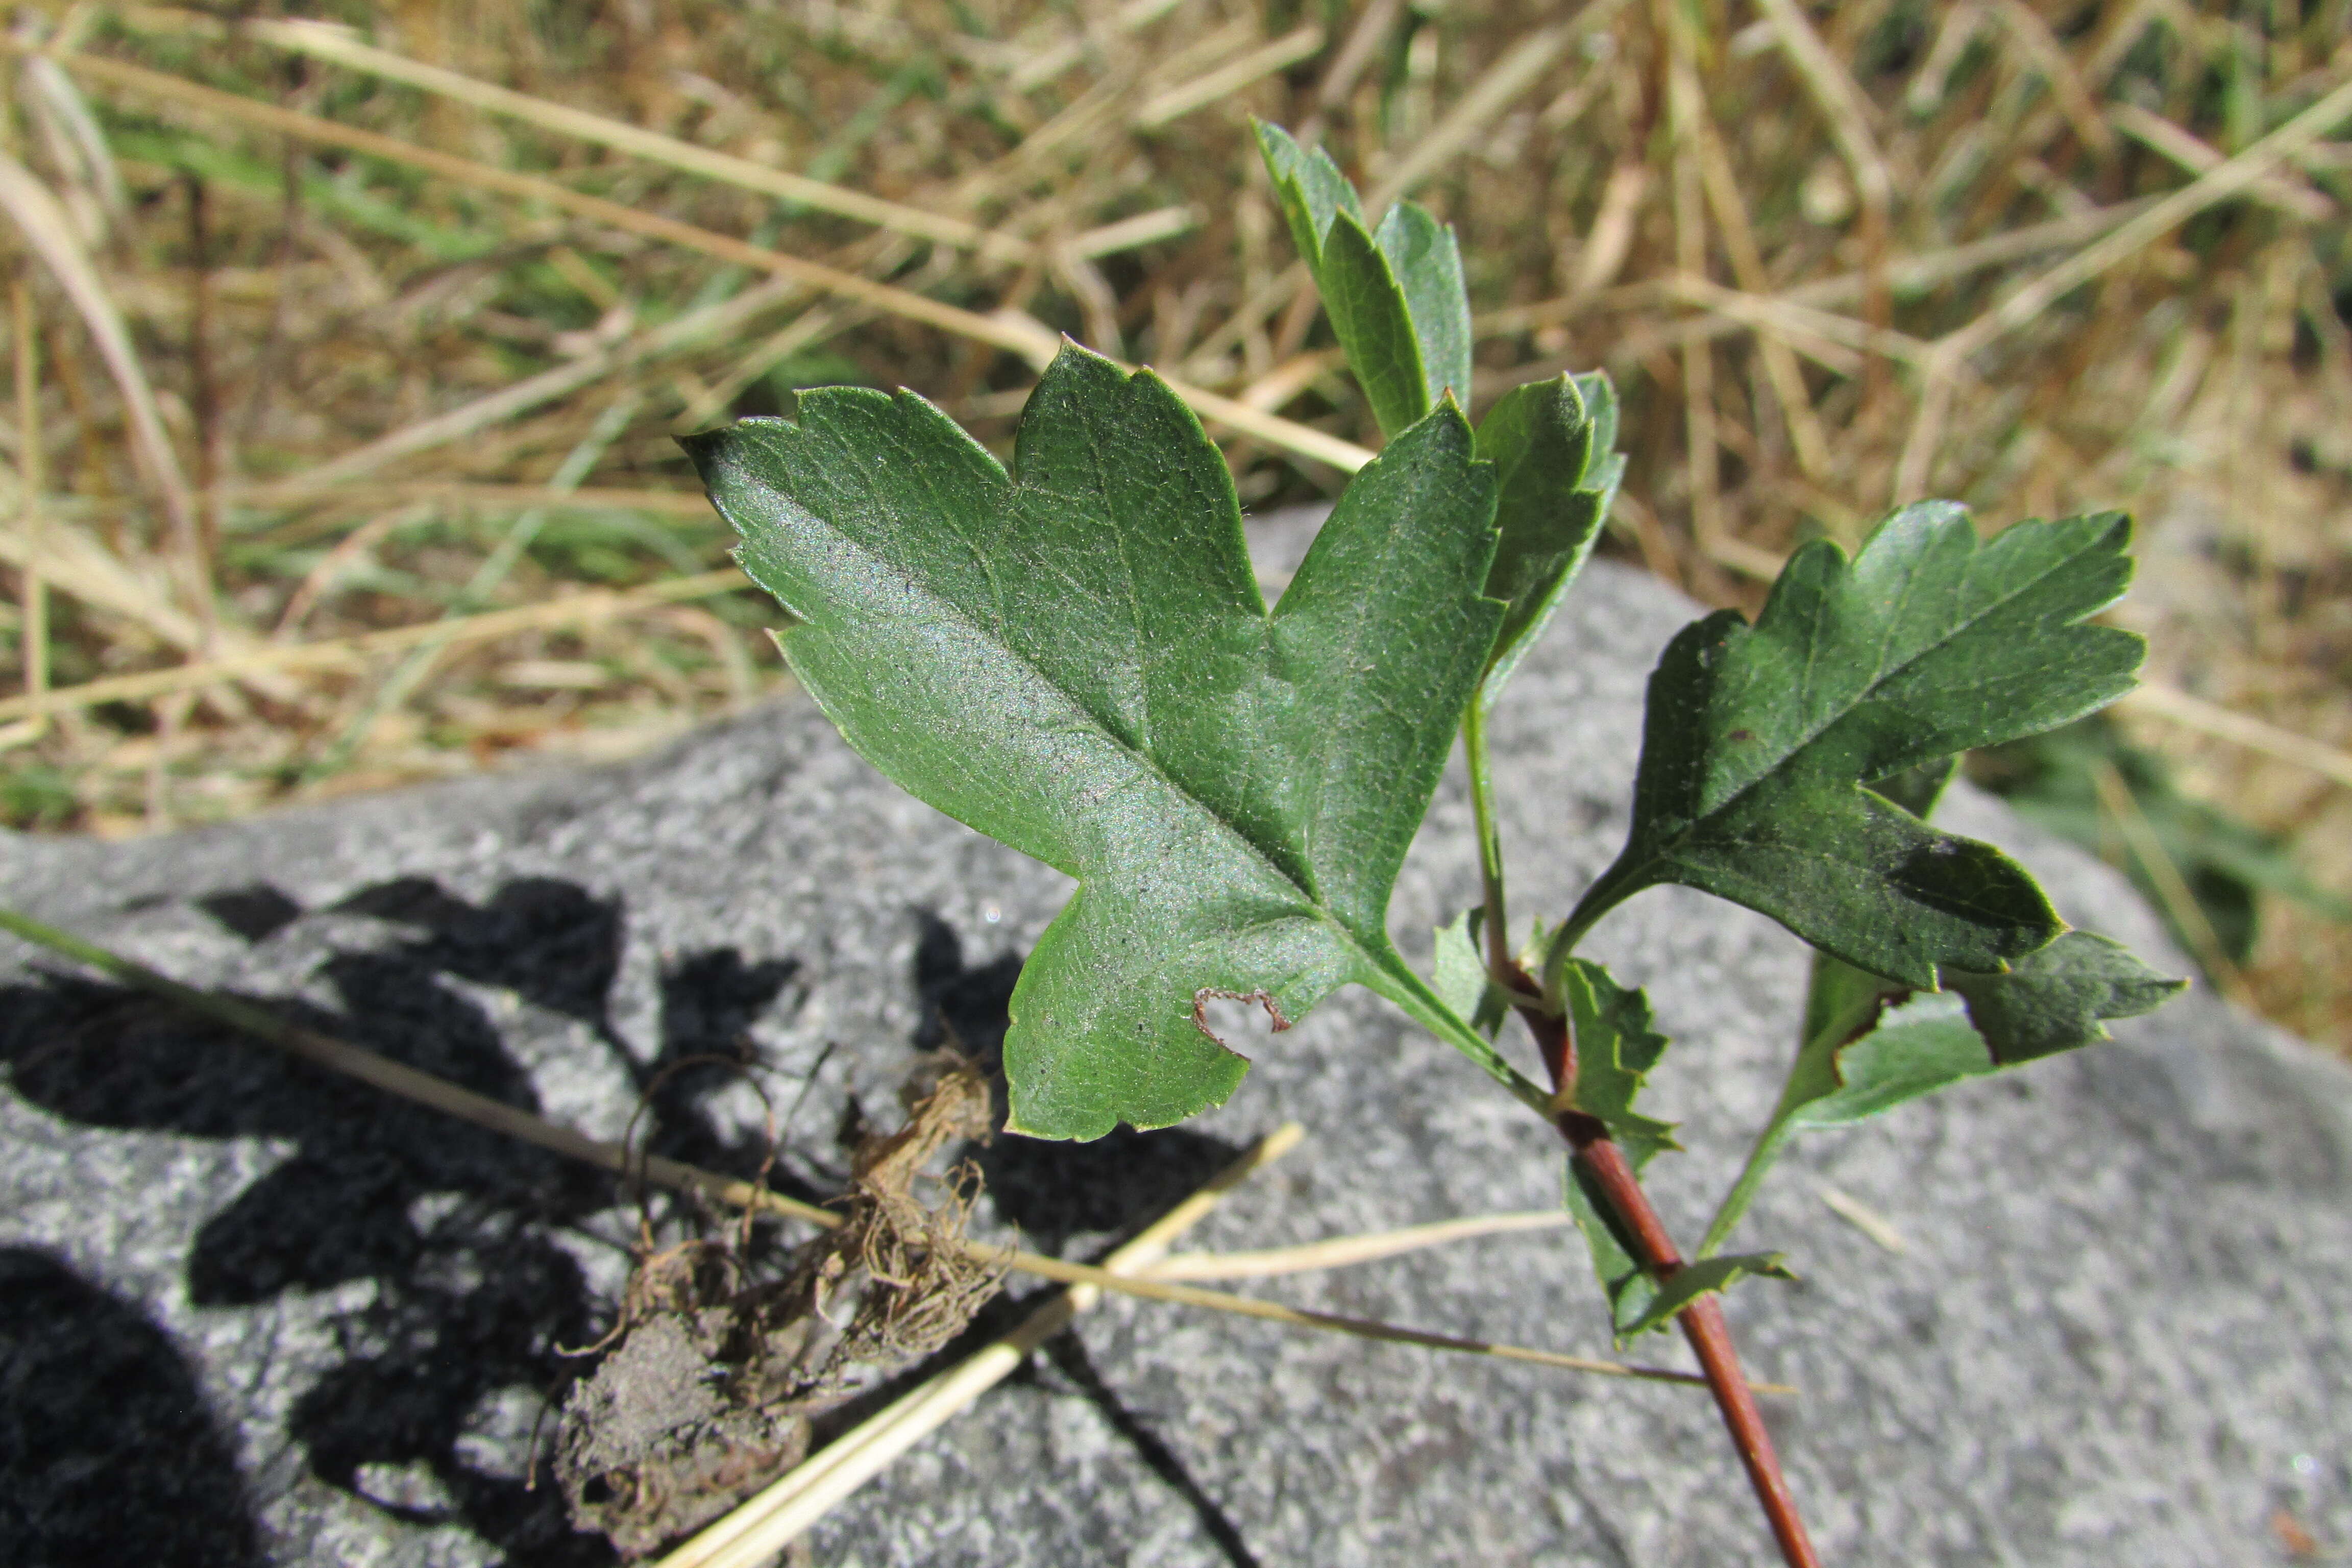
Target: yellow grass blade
{"points": [[48, 233], [1013, 335]]}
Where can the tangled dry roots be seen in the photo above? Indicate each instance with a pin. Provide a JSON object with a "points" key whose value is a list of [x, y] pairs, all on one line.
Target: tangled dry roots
{"points": [[707, 1384], [902, 1259]]}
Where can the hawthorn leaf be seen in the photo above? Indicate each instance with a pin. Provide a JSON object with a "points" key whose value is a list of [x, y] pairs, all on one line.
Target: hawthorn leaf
{"points": [[1460, 977], [1075, 659], [1373, 321], [1840, 997], [1708, 1276], [1309, 187], [1394, 293], [1616, 1048], [1637, 1302], [2061, 997], [1918, 788], [1426, 261], [1550, 442], [1628, 1287], [1904, 1045], [1758, 741]]}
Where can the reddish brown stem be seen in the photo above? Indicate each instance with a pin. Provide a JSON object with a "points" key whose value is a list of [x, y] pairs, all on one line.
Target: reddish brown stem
{"points": [[1710, 1337], [1554, 1038], [1600, 1158]]}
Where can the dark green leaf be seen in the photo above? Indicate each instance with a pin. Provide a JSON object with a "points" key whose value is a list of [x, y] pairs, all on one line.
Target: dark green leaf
{"points": [[1076, 659], [1692, 1280], [1872, 1049], [1628, 1285], [1616, 1048], [1547, 441], [1427, 264], [1460, 977], [2061, 997], [1394, 294], [1374, 324], [1917, 789], [1758, 741], [1636, 1304]]}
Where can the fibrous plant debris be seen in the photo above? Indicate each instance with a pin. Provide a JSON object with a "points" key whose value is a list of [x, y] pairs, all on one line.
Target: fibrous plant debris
{"points": [[710, 1378]]}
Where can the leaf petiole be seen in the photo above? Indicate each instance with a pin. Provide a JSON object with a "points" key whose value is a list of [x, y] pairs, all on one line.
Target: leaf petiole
{"points": [[1500, 966], [1425, 1007], [1562, 946], [1760, 1160]]}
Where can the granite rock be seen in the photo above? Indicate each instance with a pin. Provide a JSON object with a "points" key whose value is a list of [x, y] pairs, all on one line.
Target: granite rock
{"points": [[250, 1314]]}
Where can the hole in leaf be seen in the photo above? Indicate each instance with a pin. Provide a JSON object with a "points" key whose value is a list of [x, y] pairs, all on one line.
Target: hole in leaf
{"points": [[1231, 1017]]}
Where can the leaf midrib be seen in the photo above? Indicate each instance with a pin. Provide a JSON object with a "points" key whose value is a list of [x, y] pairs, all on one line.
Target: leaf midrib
{"points": [[1878, 680]]}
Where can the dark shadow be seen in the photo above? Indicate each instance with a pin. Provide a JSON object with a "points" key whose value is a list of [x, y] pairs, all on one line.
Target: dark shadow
{"points": [[256, 913], [452, 1224], [1069, 1355], [1116, 1183], [467, 1303], [315, 1221], [551, 942], [962, 1005], [424, 1354], [710, 1002], [108, 1452]]}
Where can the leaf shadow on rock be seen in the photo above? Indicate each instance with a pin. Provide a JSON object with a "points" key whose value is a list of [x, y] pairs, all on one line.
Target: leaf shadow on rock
{"points": [[453, 1225], [108, 1450], [1068, 1353]]}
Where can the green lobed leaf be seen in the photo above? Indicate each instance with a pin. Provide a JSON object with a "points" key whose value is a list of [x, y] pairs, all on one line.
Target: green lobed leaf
{"points": [[1460, 977], [1628, 1287], [1309, 187], [1706, 1276], [1374, 324], [1394, 294], [1872, 1048], [1616, 1048], [1550, 443], [1758, 742], [1426, 261], [1075, 659], [2061, 997], [1637, 1303]]}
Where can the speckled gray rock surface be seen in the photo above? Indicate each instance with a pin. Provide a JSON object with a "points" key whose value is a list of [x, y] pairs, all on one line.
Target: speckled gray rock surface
{"points": [[249, 1315]]}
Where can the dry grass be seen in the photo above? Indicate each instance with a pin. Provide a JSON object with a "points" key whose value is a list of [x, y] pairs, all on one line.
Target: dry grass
{"points": [[339, 452]]}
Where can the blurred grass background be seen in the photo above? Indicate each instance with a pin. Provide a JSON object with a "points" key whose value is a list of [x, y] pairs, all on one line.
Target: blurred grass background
{"points": [[348, 344]]}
